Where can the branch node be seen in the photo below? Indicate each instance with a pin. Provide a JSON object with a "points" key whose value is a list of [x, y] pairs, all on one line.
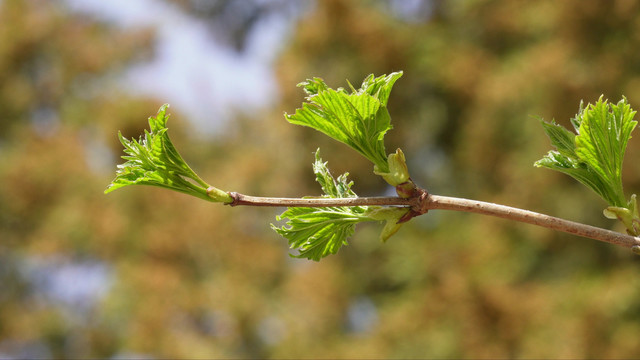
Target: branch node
{"points": [[236, 198], [420, 207], [636, 249]]}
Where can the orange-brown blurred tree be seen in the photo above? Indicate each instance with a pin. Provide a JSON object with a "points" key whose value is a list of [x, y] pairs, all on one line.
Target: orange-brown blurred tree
{"points": [[195, 280]]}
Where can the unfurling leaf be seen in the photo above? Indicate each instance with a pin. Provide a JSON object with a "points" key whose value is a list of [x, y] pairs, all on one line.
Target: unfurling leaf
{"points": [[398, 172], [359, 119], [594, 155], [153, 160]]}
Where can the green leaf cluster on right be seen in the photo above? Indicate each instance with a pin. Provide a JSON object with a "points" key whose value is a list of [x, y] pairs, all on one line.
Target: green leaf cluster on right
{"points": [[593, 155]]}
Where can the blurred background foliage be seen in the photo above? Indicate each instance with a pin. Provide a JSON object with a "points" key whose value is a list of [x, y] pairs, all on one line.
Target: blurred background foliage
{"points": [[146, 272]]}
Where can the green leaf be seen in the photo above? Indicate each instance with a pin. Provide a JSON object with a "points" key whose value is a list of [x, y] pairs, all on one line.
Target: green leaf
{"points": [[594, 155], [318, 232], [561, 138], [154, 161], [604, 132], [359, 119]]}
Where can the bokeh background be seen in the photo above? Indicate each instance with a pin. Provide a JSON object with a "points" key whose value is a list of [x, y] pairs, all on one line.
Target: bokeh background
{"points": [[144, 272]]}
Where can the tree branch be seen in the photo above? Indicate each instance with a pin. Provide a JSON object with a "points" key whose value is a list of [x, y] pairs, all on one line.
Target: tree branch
{"points": [[424, 202], [506, 212], [241, 199]]}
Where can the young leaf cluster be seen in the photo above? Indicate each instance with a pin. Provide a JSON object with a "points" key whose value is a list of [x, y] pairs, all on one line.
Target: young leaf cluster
{"points": [[318, 232], [153, 160], [593, 154], [358, 118]]}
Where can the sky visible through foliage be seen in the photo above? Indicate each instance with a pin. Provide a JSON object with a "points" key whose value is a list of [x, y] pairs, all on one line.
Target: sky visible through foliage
{"points": [[196, 68]]}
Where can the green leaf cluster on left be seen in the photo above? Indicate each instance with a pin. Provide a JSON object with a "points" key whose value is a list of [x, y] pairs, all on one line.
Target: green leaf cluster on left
{"points": [[593, 155], [153, 160]]}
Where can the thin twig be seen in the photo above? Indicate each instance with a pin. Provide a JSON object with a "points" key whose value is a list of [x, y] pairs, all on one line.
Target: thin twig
{"points": [[426, 202], [506, 212], [241, 199]]}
